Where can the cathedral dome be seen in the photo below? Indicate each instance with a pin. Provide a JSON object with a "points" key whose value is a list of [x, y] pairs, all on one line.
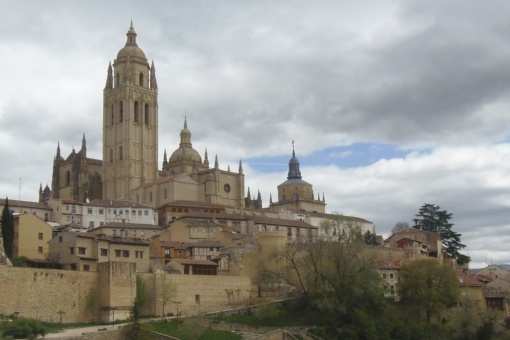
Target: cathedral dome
{"points": [[131, 51], [185, 152]]}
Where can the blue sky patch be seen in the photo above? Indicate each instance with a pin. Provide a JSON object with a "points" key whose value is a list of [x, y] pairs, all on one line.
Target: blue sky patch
{"points": [[352, 156]]}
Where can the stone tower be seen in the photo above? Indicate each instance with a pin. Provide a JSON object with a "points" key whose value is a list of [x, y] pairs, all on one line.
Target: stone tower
{"points": [[130, 122]]}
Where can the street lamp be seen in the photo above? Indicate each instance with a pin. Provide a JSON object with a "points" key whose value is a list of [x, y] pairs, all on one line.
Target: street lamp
{"points": [[61, 312], [177, 303]]}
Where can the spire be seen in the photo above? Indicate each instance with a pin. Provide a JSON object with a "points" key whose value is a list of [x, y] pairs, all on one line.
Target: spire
{"points": [[131, 36], [58, 150], [270, 199], [294, 172], [323, 199], [259, 200], [109, 78], [153, 82], [206, 159], [84, 144], [216, 165], [228, 168], [240, 167], [185, 135], [318, 197], [40, 188], [164, 158]]}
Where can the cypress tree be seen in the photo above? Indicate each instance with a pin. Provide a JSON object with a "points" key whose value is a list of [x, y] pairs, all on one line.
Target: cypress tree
{"points": [[8, 229]]}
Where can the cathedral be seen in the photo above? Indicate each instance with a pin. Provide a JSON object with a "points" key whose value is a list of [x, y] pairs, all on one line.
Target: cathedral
{"points": [[129, 169]]}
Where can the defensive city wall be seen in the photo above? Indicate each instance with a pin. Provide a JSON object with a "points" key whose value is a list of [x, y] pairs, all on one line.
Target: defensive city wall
{"points": [[109, 293]]}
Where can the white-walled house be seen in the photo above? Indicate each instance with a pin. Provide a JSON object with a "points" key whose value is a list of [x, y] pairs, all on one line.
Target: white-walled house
{"points": [[100, 212]]}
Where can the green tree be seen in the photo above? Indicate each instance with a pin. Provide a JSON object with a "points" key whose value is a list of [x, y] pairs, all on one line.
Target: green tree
{"points": [[428, 287], [336, 277], [8, 229], [432, 218], [370, 238], [134, 330]]}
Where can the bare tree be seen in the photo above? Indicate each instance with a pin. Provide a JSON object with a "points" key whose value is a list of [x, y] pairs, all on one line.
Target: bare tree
{"points": [[399, 226], [168, 289]]}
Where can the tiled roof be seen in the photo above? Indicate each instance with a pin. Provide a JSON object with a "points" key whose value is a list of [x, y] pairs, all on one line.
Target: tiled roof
{"points": [[120, 225], [116, 204], [205, 244], [174, 244], [333, 216], [25, 204], [280, 222], [468, 280], [210, 216], [197, 262], [387, 264], [185, 203]]}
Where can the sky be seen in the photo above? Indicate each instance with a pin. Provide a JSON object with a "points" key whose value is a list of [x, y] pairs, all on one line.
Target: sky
{"points": [[390, 104]]}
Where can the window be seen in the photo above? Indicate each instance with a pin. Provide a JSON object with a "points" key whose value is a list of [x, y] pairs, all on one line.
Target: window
{"points": [[71, 250], [139, 254], [91, 224], [141, 79], [391, 275], [147, 212], [133, 213], [46, 217], [101, 211], [89, 211], [78, 219], [126, 212], [289, 231], [121, 111], [112, 114], [121, 156], [81, 250], [101, 224], [137, 109], [111, 155], [146, 114], [68, 178], [142, 233], [115, 211], [86, 268], [120, 212], [133, 232], [125, 253], [197, 299], [67, 208], [60, 239], [114, 232], [39, 250], [41, 236], [139, 213], [73, 209], [384, 276], [104, 252], [118, 253], [117, 80]]}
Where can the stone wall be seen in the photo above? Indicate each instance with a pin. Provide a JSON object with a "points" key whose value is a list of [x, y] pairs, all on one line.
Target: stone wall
{"points": [[41, 293]]}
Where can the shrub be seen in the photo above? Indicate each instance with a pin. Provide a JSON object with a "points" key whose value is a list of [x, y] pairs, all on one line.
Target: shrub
{"points": [[23, 328]]}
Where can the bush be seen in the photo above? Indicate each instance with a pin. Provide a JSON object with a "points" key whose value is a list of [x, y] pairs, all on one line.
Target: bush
{"points": [[23, 328]]}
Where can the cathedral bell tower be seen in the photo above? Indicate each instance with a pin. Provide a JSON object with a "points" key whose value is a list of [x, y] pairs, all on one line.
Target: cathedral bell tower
{"points": [[130, 122]]}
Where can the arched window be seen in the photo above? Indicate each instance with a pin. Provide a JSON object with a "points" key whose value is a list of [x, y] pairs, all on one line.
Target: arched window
{"points": [[121, 111], [147, 114], [165, 194], [113, 112], [121, 156], [137, 110], [141, 79], [117, 79], [111, 155], [150, 196], [68, 178]]}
